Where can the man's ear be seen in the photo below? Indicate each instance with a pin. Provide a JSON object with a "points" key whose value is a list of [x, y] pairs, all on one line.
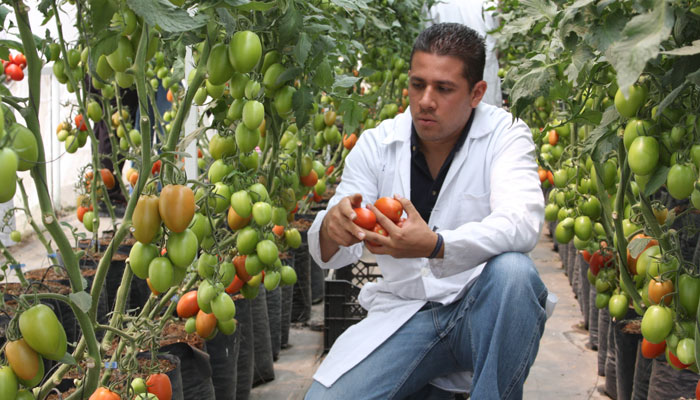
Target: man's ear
{"points": [[478, 93]]}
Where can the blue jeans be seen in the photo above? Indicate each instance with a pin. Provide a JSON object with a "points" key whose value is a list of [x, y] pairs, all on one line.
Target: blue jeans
{"points": [[493, 331]]}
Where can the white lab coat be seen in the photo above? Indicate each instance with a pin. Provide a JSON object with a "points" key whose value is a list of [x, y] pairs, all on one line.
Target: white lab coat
{"points": [[490, 203], [476, 15]]}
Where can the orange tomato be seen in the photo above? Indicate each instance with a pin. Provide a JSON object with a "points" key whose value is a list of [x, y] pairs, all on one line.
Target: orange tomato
{"points": [[187, 305], [349, 141], [632, 261], [553, 137], [176, 206], [107, 178], [659, 290], [159, 384], [309, 180], [205, 324]]}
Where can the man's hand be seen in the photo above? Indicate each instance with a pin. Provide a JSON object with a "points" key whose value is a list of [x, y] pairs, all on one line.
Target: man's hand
{"points": [[412, 239], [338, 228]]}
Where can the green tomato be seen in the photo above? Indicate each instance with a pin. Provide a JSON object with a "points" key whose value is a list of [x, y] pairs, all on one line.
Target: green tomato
{"points": [[43, 332], [8, 174], [218, 65], [618, 306], [246, 138], [140, 258], [182, 248], [253, 265], [8, 383], [222, 306], [628, 106], [242, 203], [267, 251], [206, 265], [247, 240], [123, 56], [253, 114], [657, 323], [160, 274], [262, 213], [680, 181], [244, 51], [205, 294]]}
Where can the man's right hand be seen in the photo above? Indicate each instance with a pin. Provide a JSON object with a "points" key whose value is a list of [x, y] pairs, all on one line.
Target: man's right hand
{"points": [[338, 228]]}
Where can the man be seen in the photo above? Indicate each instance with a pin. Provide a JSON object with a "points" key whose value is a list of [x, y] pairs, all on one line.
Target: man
{"points": [[457, 297], [478, 15]]}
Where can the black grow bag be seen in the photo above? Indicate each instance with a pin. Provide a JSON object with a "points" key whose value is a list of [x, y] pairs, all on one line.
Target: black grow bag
{"points": [[195, 371], [244, 367], [223, 358], [263, 367]]}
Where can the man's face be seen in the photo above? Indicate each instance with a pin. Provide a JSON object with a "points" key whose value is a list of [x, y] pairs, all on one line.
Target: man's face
{"points": [[440, 96]]}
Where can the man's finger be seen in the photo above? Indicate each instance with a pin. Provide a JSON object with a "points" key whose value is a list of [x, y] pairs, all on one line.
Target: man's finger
{"points": [[355, 200], [383, 220], [407, 206]]}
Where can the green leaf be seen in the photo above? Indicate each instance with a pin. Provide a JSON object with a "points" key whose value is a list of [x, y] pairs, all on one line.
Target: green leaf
{"points": [[540, 8], [345, 81], [640, 42], [378, 23], [352, 115], [106, 43], [354, 5], [164, 14], [602, 139], [290, 24], [589, 116], [637, 246], [531, 85], [301, 50], [252, 5], [68, 359], [604, 35], [671, 97], [4, 11], [685, 50], [82, 300], [235, 3], [657, 180], [694, 78], [101, 15], [323, 77], [4, 53], [288, 74], [580, 61], [302, 102], [226, 20]]}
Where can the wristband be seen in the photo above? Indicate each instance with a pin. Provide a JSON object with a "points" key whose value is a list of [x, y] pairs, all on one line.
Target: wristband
{"points": [[437, 248]]}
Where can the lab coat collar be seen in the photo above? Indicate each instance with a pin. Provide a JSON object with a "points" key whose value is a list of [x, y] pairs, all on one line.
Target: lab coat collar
{"points": [[402, 125]]}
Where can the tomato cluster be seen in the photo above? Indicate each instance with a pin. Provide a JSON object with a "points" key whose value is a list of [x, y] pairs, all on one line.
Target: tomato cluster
{"points": [[14, 68]]}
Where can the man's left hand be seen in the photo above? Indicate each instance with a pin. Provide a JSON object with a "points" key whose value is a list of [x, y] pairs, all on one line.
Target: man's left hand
{"points": [[413, 239]]}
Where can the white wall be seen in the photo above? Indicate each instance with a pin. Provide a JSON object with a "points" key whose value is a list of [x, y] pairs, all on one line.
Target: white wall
{"points": [[61, 168]]}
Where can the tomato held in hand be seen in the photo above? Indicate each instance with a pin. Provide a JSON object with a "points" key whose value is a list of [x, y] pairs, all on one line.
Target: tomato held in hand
{"points": [[390, 207], [365, 218]]}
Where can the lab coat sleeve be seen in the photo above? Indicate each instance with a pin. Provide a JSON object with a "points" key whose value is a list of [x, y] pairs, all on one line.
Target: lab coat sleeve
{"points": [[516, 202], [359, 176]]}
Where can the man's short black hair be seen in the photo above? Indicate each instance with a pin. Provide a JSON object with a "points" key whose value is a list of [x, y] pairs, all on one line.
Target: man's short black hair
{"points": [[456, 40]]}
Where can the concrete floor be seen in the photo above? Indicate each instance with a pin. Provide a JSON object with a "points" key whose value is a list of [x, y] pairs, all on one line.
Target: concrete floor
{"points": [[565, 368]]}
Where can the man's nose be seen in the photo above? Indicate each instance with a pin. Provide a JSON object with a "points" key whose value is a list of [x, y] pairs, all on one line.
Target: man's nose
{"points": [[427, 100]]}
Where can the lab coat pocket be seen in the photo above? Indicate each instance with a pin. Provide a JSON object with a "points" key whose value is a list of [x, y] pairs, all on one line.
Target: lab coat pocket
{"points": [[472, 207]]}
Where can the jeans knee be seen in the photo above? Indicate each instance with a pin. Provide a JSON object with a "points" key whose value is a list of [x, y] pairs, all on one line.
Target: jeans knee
{"points": [[513, 271]]}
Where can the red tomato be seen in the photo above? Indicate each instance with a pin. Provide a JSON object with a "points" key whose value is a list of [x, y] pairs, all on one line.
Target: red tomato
{"points": [[309, 180], [542, 174], [550, 177], [14, 72], [159, 384], [586, 255], [651, 350], [187, 305], [81, 211], [156, 167], [235, 286], [390, 207], [676, 362], [365, 218], [20, 60], [599, 260], [80, 123]]}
